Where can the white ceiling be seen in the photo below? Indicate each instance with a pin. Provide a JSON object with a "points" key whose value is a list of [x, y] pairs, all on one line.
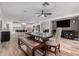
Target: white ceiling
{"points": [[25, 11]]}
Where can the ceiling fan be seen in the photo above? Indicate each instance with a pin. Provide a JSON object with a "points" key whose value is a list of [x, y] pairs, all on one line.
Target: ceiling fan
{"points": [[43, 13]]}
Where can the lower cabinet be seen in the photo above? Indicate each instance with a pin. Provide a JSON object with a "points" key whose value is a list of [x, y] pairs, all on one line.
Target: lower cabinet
{"points": [[5, 36]]}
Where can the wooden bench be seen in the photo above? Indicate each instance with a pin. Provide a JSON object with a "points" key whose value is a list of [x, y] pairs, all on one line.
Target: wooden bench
{"points": [[32, 45]]}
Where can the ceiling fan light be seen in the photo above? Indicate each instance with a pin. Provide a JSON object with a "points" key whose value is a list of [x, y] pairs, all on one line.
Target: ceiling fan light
{"points": [[42, 15]]}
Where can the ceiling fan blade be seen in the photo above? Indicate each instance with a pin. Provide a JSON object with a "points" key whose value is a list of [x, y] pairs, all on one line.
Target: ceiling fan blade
{"points": [[45, 16], [39, 15], [48, 13]]}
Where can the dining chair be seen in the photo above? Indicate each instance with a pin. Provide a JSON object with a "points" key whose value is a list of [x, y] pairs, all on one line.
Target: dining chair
{"points": [[55, 41]]}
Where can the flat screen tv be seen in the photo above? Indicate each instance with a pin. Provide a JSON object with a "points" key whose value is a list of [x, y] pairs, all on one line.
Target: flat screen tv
{"points": [[63, 23]]}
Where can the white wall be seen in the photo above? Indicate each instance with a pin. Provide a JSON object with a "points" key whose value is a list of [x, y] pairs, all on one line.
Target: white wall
{"points": [[1, 18], [0, 22]]}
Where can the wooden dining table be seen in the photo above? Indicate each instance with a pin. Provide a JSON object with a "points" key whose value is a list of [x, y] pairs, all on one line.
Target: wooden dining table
{"points": [[42, 37]]}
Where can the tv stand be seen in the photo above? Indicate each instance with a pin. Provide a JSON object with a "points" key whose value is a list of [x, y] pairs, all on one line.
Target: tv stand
{"points": [[69, 34]]}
